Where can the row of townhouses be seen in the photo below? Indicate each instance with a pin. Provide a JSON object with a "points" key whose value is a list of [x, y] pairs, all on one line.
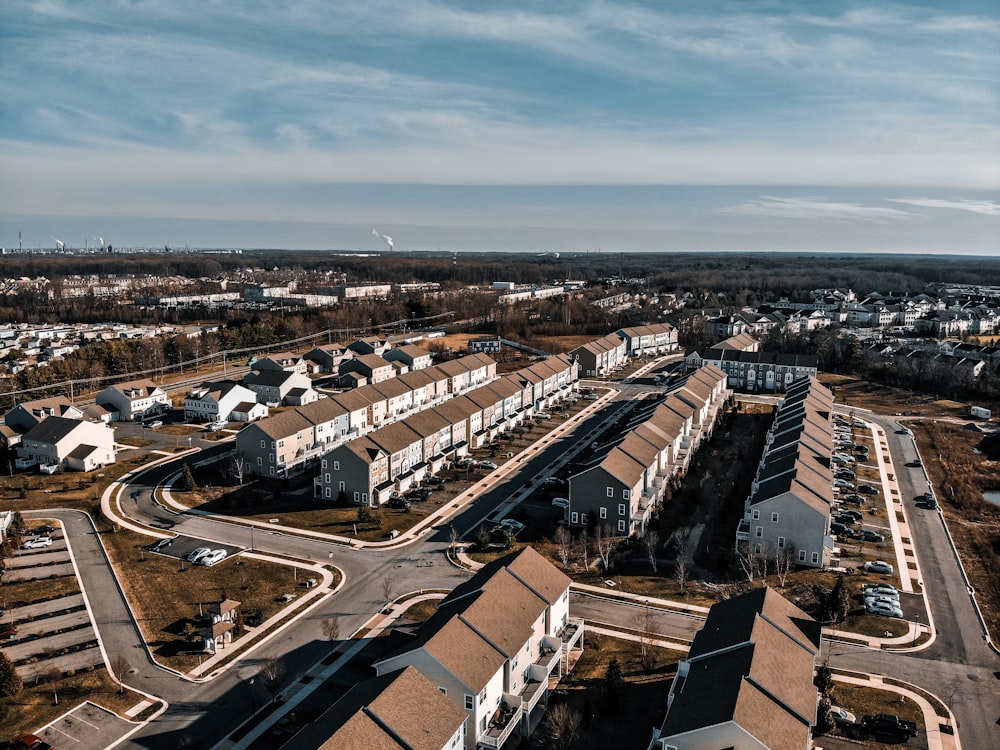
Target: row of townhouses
{"points": [[625, 479], [788, 508], [747, 681], [368, 469], [600, 358], [288, 441]]}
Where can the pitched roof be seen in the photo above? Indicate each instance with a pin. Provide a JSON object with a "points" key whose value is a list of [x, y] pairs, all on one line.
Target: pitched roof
{"points": [[52, 429]]}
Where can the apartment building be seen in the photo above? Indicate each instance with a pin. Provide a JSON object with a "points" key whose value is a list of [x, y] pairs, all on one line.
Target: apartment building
{"points": [[788, 509], [747, 681], [493, 644]]}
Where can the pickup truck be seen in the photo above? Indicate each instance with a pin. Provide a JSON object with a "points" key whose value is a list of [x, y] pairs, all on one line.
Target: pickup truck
{"points": [[889, 724]]}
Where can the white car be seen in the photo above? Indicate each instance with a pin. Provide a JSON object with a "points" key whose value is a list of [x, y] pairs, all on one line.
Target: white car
{"points": [[216, 555], [880, 588], [487, 465], [154, 424], [842, 716], [514, 526], [886, 609], [885, 598], [878, 566], [38, 542], [560, 502], [216, 426], [542, 415], [196, 554]]}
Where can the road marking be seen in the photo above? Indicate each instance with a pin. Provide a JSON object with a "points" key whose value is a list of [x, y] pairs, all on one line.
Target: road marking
{"points": [[57, 729], [92, 726]]}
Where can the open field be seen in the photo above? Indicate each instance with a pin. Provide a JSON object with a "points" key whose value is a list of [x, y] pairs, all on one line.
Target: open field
{"points": [[167, 594]]}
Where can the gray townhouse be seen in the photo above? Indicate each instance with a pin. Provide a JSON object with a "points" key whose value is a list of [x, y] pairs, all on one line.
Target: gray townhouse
{"points": [[410, 355], [280, 387], [328, 358], [287, 442], [788, 508], [655, 338], [364, 369], [599, 358]]}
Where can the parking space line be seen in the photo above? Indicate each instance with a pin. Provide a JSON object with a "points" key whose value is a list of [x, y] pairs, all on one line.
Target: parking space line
{"points": [[92, 726], [54, 728]]}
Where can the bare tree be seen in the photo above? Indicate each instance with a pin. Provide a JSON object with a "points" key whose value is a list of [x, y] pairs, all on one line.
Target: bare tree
{"points": [[561, 728], [605, 543], [331, 630], [764, 558], [53, 676], [784, 561], [452, 539], [239, 467], [642, 622], [652, 543], [119, 668], [272, 672], [747, 560], [564, 542], [681, 574], [387, 589], [583, 541]]}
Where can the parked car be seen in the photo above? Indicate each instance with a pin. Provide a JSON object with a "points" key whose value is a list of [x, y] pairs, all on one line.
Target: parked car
{"points": [[196, 554], [854, 498], [878, 566], [38, 542], [890, 724], [916, 462], [885, 609], [868, 489], [880, 588], [43, 529], [872, 536], [8, 631], [852, 513], [841, 458], [591, 397], [433, 480], [216, 426], [542, 415], [160, 544], [839, 528], [845, 519], [155, 423], [843, 483], [213, 557], [842, 716], [487, 465], [398, 502], [845, 473], [515, 526], [929, 501], [885, 598], [553, 482], [560, 502]]}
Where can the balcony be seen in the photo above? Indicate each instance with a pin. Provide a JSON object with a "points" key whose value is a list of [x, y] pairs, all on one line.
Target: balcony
{"points": [[503, 723], [550, 651], [572, 634], [743, 532]]}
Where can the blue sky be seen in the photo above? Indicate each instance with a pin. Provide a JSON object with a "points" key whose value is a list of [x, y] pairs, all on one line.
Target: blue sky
{"points": [[502, 126]]}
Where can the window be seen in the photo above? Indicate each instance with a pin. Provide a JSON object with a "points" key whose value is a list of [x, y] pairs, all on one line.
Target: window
{"points": [[604, 512], [327, 479], [774, 518], [259, 460], [621, 509], [802, 555], [323, 466], [815, 558], [781, 542], [482, 696], [626, 494], [758, 531], [756, 549], [342, 486], [755, 515], [357, 497], [470, 701], [621, 526], [326, 492], [336, 465], [583, 518], [574, 517], [262, 444], [611, 492]]}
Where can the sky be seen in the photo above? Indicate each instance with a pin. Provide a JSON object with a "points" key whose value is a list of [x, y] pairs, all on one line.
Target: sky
{"points": [[504, 126]]}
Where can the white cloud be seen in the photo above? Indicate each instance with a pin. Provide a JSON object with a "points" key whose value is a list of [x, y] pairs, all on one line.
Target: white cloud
{"points": [[811, 209], [990, 208]]}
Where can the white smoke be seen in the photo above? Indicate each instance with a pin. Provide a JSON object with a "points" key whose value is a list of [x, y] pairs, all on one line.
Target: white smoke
{"points": [[387, 238]]}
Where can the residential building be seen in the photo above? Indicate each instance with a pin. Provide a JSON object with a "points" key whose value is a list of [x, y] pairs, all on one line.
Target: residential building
{"points": [[27, 414], [275, 387], [136, 400], [223, 400], [329, 358], [655, 338], [64, 443], [747, 681], [788, 509], [284, 361], [371, 367], [757, 371], [599, 358], [293, 439], [493, 644], [401, 710], [412, 356]]}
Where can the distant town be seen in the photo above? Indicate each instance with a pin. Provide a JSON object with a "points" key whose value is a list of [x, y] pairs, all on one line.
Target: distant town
{"points": [[325, 500]]}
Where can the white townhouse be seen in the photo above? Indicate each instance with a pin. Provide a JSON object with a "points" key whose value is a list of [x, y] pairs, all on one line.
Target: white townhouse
{"points": [[223, 400], [135, 400]]}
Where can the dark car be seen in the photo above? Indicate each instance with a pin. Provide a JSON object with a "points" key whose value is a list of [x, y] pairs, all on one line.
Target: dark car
{"points": [[160, 544], [868, 489], [838, 528], [8, 630], [433, 480], [871, 536], [852, 513], [845, 518], [889, 724], [854, 498], [398, 502], [43, 530]]}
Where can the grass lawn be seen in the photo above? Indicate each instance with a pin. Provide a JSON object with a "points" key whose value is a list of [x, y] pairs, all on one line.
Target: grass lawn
{"points": [[166, 593], [623, 716], [35, 706]]}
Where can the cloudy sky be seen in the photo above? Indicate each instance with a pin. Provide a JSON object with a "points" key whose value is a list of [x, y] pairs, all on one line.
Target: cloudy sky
{"points": [[502, 126]]}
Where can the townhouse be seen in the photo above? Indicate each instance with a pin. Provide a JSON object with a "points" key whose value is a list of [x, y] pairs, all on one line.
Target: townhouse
{"points": [[285, 361], [223, 400], [289, 441], [625, 479], [599, 358], [655, 338], [134, 401], [402, 710], [788, 509], [419, 444], [410, 355], [275, 387], [747, 681], [493, 644], [328, 358], [758, 371], [63, 443], [365, 369], [27, 414]]}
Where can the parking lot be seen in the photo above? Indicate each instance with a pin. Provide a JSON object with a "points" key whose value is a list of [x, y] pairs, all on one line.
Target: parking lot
{"points": [[86, 726], [180, 547]]}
